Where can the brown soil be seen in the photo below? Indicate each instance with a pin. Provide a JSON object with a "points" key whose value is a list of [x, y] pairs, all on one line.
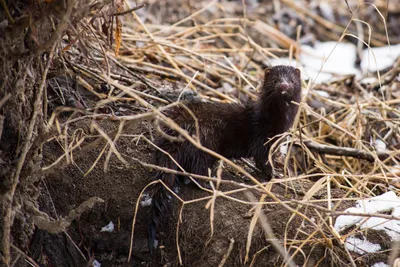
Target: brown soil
{"points": [[66, 188], [120, 187]]}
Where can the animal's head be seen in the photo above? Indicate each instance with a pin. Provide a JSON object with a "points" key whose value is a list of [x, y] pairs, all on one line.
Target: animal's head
{"points": [[282, 82]]}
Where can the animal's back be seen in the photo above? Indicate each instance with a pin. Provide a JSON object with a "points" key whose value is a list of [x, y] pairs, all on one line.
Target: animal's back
{"points": [[218, 125]]}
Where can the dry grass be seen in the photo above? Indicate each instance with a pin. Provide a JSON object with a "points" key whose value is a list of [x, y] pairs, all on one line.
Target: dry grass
{"points": [[208, 48]]}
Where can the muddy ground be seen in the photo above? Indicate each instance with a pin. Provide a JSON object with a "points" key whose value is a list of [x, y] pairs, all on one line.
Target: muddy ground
{"points": [[120, 187], [83, 243]]}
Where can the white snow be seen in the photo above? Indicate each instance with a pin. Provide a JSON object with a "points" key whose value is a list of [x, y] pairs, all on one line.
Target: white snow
{"points": [[326, 10], [368, 80], [146, 200], [340, 59], [322, 93], [333, 57], [391, 227], [384, 203], [379, 145], [380, 264], [387, 202], [395, 169], [345, 221], [385, 57], [306, 71], [283, 149], [108, 228], [361, 246]]}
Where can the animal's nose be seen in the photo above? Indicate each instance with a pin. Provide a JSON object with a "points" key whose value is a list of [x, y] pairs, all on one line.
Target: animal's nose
{"points": [[284, 86]]}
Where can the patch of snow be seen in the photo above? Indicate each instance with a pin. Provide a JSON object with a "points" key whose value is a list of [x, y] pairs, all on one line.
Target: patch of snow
{"points": [[368, 80], [140, 44], [283, 149], [322, 93], [382, 203], [379, 145], [340, 59], [360, 246], [345, 221], [306, 72], [336, 58], [380, 264], [333, 57], [391, 227], [108, 228], [395, 169], [385, 57], [387, 202], [327, 12], [316, 76], [146, 200]]}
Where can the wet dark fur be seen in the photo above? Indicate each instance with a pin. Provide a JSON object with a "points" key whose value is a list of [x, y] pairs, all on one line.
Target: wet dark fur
{"points": [[232, 130]]}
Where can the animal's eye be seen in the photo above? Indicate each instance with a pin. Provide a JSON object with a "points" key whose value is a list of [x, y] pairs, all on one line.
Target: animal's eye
{"points": [[275, 80]]}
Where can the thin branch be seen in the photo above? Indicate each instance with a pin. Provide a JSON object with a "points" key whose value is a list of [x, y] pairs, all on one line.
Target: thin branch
{"points": [[9, 196], [344, 151], [130, 10]]}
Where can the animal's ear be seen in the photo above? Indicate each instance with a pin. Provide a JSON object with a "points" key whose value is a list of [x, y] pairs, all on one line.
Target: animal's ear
{"points": [[298, 72], [267, 70]]}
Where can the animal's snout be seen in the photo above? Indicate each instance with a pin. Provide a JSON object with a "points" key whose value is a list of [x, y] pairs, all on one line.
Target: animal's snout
{"points": [[284, 86]]}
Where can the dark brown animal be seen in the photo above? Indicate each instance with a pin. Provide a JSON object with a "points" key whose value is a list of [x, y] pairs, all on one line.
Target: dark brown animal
{"points": [[232, 130]]}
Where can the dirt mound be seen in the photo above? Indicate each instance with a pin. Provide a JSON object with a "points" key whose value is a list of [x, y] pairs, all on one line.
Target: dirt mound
{"points": [[120, 188]]}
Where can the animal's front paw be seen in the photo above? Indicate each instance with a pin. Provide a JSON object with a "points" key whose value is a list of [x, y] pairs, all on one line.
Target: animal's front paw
{"points": [[266, 172]]}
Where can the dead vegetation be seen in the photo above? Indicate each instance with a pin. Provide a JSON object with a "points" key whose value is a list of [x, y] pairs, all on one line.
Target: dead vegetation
{"points": [[84, 87]]}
